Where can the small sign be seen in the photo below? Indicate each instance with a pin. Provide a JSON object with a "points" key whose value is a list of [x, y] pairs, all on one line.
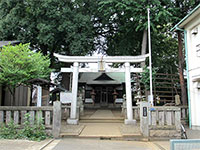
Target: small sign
{"points": [[144, 111]]}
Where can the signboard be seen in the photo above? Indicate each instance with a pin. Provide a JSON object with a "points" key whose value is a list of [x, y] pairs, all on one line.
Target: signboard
{"points": [[65, 97], [144, 111]]}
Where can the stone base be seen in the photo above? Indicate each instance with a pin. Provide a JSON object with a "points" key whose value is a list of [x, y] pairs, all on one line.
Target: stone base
{"points": [[72, 121], [195, 127], [126, 121]]}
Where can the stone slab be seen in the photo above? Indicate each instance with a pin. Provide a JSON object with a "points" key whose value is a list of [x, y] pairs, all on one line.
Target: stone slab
{"points": [[72, 121], [101, 130], [130, 130], [71, 129], [126, 121]]}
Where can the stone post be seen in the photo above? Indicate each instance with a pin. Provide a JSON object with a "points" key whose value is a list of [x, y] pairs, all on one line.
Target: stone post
{"points": [[73, 114], [56, 119], [39, 96], [129, 106], [144, 118]]}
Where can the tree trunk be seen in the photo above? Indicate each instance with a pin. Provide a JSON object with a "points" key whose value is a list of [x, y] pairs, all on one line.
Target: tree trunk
{"points": [[143, 51], [181, 68], [144, 46]]}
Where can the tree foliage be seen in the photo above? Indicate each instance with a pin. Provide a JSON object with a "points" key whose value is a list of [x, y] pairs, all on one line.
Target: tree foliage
{"points": [[49, 25], [19, 64], [79, 27], [125, 20]]}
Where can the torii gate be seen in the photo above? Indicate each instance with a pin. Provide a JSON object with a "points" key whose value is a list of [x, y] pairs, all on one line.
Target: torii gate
{"points": [[99, 59]]}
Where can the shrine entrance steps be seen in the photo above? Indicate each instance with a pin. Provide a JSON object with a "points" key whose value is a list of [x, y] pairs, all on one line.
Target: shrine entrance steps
{"points": [[102, 116], [102, 124]]}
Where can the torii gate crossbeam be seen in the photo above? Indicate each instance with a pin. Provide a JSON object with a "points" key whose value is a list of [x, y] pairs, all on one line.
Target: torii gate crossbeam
{"points": [[107, 59]]}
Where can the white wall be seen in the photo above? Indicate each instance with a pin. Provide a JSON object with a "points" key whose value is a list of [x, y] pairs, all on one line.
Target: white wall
{"points": [[193, 40]]}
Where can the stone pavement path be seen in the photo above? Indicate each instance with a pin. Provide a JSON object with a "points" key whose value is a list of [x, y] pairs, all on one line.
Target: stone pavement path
{"points": [[101, 130], [22, 144], [102, 114], [93, 144]]}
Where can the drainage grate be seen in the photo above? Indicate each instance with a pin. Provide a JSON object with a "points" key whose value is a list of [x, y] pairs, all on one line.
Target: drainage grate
{"points": [[105, 138]]}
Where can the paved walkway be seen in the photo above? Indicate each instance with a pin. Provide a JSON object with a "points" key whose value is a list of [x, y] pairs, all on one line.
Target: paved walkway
{"points": [[101, 130], [22, 144], [109, 125], [102, 114], [90, 144]]}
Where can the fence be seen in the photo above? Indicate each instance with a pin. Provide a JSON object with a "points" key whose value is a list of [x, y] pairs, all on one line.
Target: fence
{"points": [[184, 114], [161, 121], [165, 122], [191, 144], [165, 118], [50, 114], [136, 112]]}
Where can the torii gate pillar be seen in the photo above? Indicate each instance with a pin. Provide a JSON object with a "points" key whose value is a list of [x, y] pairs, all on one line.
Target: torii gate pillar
{"points": [[73, 115], [129, 105]]}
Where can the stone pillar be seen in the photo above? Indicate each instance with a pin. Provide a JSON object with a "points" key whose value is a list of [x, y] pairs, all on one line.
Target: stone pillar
{"points": [[56, 119], [129, 106], [73, 114], [39, 96], [144, 118]]}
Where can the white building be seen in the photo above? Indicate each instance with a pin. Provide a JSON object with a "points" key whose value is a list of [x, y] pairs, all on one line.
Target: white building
{"points": [[190, 25]]}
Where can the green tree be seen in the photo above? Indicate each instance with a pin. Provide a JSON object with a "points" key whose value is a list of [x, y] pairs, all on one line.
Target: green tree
{"points": [[125, 29], [19, 64], [49, 25]]}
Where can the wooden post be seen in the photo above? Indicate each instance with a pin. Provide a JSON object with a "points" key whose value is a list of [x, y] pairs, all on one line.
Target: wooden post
{"points": [[56, 119]]}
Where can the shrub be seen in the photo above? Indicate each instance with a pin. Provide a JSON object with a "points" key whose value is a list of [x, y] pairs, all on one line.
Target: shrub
{"points": [[34, 132], [9, 131]]}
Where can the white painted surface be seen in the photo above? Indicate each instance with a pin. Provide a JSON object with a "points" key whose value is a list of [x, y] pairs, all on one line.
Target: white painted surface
{"points": [[128, 92], [108, 59], [107, 70], [65, 97], [119, 100], [39, 96], [74, 91], [88, 100], [193, 42]]}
